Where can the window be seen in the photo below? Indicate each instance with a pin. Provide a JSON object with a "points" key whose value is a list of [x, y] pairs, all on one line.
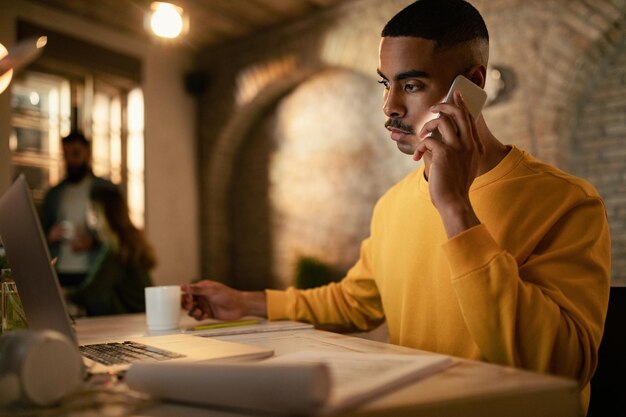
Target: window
{"points": [[46, 106], [41, 115]]}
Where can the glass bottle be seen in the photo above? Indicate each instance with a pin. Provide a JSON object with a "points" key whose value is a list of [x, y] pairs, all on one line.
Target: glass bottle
{"points": [[11, 310]]}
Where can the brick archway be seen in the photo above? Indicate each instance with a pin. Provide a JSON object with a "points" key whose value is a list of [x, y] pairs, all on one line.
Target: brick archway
{"points": [[595, 131], [222, 160], [553, 47]]}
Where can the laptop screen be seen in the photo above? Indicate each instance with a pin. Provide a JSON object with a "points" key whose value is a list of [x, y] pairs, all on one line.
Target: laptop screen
{"points": [[29, 259]]}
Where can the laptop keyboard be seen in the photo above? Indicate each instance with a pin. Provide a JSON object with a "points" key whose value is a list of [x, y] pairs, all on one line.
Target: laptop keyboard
{"points": [[119, 353]]}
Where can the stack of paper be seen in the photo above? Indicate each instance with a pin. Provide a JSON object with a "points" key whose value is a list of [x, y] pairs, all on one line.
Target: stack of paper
{"points": [[302, 383]]}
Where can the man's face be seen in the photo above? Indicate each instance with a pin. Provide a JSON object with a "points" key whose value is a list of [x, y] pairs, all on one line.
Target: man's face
{"points": [[75, 154], [76, 157], [415, 77]]}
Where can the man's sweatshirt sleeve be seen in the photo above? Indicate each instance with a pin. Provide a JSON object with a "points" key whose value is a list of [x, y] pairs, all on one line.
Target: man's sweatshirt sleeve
{"points": [[545, 313], [351, 304]]}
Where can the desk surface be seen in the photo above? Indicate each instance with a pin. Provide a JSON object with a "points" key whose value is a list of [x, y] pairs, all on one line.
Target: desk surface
{"points": [[469, 388]]}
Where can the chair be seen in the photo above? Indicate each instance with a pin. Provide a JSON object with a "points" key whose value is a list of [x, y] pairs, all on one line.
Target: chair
{"points": [[608, 396]]}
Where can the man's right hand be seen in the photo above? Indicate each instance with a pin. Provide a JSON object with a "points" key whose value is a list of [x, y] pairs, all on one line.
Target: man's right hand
{"points": [[55, 234], [211, 299]]}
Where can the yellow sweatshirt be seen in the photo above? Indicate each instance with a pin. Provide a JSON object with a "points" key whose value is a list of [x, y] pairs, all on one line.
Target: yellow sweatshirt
{"points": [[527, 288]]}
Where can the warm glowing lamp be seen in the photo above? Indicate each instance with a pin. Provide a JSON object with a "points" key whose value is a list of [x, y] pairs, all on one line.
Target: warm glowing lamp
{"points": [[20, 54], [167, 20], [5, 78]]}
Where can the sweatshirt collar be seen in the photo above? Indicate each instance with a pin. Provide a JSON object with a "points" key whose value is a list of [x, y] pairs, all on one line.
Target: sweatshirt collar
{"points": [[506, 165]]}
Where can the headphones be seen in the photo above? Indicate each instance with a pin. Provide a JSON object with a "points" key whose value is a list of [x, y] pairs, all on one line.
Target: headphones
{"points": [[37, 367]]}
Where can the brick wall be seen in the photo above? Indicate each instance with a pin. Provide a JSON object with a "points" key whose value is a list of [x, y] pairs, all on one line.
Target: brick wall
{"points": [[598, 146], [293, 155]]}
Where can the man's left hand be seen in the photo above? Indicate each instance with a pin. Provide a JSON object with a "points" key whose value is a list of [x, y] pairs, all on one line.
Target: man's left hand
{"points": [[453, 163]]}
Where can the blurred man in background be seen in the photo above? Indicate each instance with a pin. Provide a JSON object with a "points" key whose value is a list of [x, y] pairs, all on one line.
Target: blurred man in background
{"points": [[63, 213]]}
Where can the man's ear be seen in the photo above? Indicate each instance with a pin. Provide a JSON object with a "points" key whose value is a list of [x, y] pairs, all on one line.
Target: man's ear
{"points": [[478, 75]]}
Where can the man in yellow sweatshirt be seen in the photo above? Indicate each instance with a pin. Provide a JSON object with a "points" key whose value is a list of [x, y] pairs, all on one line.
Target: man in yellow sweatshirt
{"points": [[483, 252]]}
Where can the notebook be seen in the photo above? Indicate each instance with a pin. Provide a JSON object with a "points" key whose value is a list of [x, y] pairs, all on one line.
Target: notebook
{"points": [[44, 304]]}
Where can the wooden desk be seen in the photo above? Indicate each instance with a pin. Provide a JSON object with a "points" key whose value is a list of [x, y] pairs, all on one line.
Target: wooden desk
{"points": [[468, 388]]}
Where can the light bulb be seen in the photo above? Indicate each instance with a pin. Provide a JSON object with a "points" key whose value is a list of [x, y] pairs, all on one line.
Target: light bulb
{"points": [[166, 20], [34, 98]]}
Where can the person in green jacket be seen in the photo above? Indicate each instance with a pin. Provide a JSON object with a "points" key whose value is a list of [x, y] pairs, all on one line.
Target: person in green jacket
{"points": [[116, 280]]}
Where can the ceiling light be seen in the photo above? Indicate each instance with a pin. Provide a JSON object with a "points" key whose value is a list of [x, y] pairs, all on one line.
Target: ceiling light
{"points": [[167, 20], [20, 54], [5, 78], [34, 98]]}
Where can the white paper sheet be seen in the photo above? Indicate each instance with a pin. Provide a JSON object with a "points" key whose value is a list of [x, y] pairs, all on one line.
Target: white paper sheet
{"points": [[302, 383], [358, 377]]}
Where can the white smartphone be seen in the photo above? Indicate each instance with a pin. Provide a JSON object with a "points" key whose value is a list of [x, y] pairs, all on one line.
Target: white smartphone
{"points": [[473, 95]]}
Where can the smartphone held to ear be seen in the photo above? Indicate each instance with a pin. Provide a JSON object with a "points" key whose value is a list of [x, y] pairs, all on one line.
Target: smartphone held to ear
{"points": [[473, 95]]}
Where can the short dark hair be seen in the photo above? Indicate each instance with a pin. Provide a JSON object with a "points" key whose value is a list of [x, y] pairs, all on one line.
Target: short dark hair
{"points": [[75, 137], [447, 22]]}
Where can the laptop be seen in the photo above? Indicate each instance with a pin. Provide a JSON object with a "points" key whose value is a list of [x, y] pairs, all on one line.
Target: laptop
{"points": [[45, 308]]}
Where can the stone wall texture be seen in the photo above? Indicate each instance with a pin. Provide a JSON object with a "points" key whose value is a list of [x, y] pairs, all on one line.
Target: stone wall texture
{"points": [[293, 154]]}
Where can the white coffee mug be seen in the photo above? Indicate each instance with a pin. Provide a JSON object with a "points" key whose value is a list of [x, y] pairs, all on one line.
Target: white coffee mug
{"points": [[162, 307]]}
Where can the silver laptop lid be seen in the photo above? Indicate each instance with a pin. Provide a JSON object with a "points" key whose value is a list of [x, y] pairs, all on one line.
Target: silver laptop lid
{"points": [[29, 258]]}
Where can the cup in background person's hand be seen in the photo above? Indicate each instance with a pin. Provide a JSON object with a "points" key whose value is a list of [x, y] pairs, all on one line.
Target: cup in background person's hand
{"points": [[69, 230], [162, 307]]}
